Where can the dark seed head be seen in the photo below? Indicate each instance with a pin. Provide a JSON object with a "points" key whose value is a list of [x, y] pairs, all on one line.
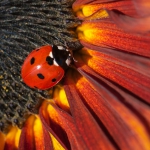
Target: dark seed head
{"points": [[20, 112], [1, 125], [29, 106], [15, 121], [67, 20], [12, 106], [33, 28]]}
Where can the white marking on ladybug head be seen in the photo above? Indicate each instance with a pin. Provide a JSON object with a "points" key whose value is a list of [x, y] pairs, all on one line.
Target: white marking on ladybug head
{"points": [[55, 63], [51, 55], [60, 47], [68, 61]]}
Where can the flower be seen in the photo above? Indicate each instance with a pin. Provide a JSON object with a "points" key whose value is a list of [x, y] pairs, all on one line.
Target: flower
{"points": [[103, 100]]}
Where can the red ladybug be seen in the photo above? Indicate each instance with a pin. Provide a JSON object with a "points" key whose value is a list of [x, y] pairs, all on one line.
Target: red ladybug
{"points": [[45, 67]]}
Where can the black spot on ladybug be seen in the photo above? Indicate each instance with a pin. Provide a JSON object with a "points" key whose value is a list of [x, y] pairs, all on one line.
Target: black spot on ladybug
{"points": [[32, 60], [49, 60], [53, 80], [40, 76]]}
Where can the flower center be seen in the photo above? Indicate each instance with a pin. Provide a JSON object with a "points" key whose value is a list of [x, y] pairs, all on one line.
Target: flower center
{"points": [[24, 27]]}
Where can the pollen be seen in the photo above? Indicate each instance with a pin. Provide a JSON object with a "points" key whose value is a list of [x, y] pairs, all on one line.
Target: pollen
{"points": [[94, 10], [89, 32]]}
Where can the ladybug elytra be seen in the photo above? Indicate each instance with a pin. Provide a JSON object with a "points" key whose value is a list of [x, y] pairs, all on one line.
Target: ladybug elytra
{"points": [[45, 67]]}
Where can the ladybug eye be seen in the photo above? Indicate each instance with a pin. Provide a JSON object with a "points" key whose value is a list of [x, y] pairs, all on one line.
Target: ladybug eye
{"points": [[32, 60], [40, 76], [53, 80], [49, 60]]}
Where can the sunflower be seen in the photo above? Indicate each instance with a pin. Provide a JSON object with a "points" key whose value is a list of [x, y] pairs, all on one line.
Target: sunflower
{"points": [[103, 100]]}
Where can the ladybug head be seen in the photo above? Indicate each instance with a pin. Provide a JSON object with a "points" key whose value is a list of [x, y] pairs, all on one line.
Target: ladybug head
{"points": [[62, 56]]}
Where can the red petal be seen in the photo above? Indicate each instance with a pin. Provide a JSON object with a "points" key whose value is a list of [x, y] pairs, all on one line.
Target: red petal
{"points": [[138, 25], [89, 9], [105, 34], [51, 120], [121, 124], [142, 7], [87, 126], [130, 101], [34, 136], [79, 3], [12, 139], [63, 122], [129, 74], [2, 141]]}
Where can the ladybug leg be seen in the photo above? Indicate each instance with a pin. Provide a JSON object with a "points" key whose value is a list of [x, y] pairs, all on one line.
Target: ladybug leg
{"points": [[71, 57], [74, 59]]}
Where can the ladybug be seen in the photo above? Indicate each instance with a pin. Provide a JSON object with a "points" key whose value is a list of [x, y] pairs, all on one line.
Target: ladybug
{"points": [[45, 67]]}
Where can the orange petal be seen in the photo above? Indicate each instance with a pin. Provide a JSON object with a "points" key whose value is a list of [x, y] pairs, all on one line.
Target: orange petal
{"points": [[106, 34], [135, 8], [2, 141], [130, 101], [56, 144], [79, 3], [60, 98], [12, 139], [34, 136], [64, 128], [89, 9], [50, 120], [86, 124], [123, 127], [128, 74]]}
